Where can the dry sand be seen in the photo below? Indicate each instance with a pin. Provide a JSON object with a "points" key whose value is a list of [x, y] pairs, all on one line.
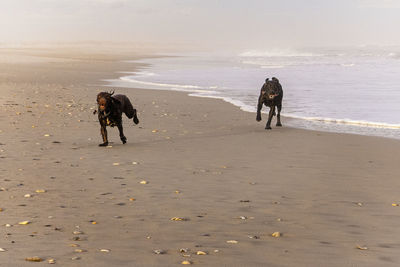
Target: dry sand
{"points": [[204, 160]]}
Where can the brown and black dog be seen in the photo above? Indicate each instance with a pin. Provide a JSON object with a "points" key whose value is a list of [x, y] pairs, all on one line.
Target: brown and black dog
{"points": [[110, 109]]}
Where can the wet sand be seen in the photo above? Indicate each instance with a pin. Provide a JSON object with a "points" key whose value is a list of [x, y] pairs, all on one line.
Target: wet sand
{"points": [[205, 162]]}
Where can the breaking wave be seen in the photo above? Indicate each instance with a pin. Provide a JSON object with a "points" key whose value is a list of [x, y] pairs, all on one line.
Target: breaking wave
{"points": [[278, 53], [360, 123]]}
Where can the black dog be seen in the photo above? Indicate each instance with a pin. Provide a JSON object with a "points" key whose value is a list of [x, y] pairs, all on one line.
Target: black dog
{"points": [[110, 110], [271, 95]]}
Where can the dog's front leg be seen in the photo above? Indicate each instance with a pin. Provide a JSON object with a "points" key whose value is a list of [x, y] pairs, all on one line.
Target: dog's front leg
{"points": [[103, 131], [259, 107], [270, 115], [121, 133]]}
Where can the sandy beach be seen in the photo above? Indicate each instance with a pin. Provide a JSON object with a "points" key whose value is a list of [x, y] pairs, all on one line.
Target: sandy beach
{"points": [[196, 175]]}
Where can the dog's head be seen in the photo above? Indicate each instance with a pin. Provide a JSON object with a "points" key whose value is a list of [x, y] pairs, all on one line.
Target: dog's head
{"points": [[104, 100], [271, 89]]}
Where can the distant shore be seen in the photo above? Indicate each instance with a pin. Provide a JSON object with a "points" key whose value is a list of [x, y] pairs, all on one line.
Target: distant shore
{"points": [[199, 180]]}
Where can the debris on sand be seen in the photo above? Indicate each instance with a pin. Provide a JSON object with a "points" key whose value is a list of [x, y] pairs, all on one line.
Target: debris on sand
{"points": [[34, 259], [276, 234], [361, 247], [40, 191], [179, 219]]}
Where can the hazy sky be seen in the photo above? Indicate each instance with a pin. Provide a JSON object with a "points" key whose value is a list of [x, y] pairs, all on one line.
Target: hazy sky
{"points": [[234, 23]]}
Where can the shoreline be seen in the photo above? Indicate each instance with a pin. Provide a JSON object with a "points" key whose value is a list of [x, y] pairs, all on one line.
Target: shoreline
{"points": [[205, 161], [326, 124]]}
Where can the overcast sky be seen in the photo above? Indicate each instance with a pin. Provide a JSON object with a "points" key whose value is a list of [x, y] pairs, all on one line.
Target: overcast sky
{"points": [[235, 23]]}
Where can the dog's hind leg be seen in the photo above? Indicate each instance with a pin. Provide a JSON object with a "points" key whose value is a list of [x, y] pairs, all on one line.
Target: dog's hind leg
{"points": [[130, 111], [121, 133], [135, 118], [278, 117]]}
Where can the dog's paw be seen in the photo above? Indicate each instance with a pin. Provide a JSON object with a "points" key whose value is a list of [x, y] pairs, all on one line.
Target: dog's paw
{"points": [[123, 139], [104, 144], [279, 124], [268, 128]]}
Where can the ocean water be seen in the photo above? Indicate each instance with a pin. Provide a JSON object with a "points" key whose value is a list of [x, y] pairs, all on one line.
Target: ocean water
{"points": [[350, 90]]}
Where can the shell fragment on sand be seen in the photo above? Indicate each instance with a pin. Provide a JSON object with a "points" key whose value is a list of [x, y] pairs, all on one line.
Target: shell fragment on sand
{"points": [[232, 242], [361, 247], [144, 182], [24, 222], [276, 234], [186, 262], [178, 219], [40, 191], [34, 259], [105, 250], [201, 252], [77, 232], [2, 250]]}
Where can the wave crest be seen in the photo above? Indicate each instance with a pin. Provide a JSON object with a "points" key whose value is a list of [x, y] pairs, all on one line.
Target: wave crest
{"points": [[278, 53]]}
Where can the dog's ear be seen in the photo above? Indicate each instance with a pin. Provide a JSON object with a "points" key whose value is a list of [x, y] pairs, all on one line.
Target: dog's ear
{"points": [[101, 95]]}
